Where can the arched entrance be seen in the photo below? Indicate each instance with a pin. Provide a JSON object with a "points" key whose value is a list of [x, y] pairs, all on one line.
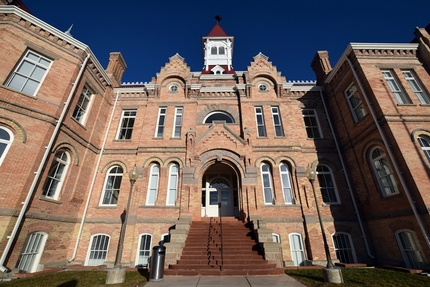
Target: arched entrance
{"points": [[219, 191]]}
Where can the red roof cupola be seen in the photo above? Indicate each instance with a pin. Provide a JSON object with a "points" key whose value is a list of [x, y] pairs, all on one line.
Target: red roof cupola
{"points": [[217, 51]]}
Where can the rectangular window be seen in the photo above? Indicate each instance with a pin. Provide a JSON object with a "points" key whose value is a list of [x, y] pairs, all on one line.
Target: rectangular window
{"points": [[30, 73], [400, 96], [311, 123], [178, 123], [261, 128], [127, 123], [279, 132], [160, 123], [81, 109], [416, 87], [355, 103]]}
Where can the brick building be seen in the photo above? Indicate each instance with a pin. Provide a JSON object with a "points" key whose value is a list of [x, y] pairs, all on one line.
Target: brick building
{"points": [[211, 143]]}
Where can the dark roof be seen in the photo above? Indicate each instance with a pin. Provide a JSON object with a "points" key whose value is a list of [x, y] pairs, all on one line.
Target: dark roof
{"points": [[217, 31]]}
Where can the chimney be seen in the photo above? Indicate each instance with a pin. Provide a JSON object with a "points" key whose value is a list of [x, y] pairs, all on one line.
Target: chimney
{"points": [[321, 66], [116, 68]]}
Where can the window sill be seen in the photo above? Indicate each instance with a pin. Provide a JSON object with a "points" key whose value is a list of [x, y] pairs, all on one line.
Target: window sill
{"points": [[315, 139], [406, 105], [78, 122], [280, 137], [122, 140], [175, 138], [424, 105], [327, 204], [282, 205], [389, 196], [48, 199], [159, 206], [106, 207], [157, 138]]}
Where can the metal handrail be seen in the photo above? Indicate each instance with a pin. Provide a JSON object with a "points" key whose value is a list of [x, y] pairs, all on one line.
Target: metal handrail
{"points": [[220, 225]]}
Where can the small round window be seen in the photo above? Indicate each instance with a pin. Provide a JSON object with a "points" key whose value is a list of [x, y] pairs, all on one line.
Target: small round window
{"points": [[263, 88], [173, 88]]}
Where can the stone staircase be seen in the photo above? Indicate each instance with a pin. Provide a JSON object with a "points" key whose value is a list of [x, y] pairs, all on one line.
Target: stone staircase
{"points": [[202, 251]]}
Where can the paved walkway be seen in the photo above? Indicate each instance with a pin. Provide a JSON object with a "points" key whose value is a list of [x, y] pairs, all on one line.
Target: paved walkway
{"points": [[236, 281]]}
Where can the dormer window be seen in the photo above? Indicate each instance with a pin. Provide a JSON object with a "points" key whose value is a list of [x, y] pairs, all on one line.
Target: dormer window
{"points": [[218, 70], [214, 50], [221, 50]]}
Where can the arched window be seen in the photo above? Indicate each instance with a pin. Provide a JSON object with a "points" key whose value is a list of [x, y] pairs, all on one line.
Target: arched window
{"points": [[327, 185], [344, 247], [214, 50], [153, 184], [173, 184], [383, 172], [6, 139], [144, 252], [286, 183], [266, 178], [97, 252], [276, 238], [219, 116], [112, 186], [56, 175], [221, 50], [32, 252], [410, 249], [297, 250], [424, 143]]}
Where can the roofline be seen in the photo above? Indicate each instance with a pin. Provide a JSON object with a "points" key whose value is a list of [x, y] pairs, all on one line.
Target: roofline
{"points": [[36, 21], [373, 46]]}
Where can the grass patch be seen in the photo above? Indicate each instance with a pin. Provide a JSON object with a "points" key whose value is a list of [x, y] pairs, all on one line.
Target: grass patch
{"points": [[78, 279], [362, 277]]}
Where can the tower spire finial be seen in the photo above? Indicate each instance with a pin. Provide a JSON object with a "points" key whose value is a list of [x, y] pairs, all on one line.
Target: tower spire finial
{"points": [[218, 18]]}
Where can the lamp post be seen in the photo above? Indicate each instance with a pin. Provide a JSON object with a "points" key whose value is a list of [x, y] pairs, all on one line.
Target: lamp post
{"points": [[117, 274], [331, 274]]}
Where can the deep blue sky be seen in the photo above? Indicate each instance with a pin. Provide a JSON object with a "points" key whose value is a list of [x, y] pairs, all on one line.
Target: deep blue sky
{"points": [[289, 32]]}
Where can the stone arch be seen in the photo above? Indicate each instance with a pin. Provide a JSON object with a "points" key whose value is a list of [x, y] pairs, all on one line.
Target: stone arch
{"points": [[171, 160], [112, 163], [221, 107], [287, 159], [367, 147], [40, 227], [261, 159], [225, 156], [70, 147], [19, 131], [417, 132], [153, 160]]}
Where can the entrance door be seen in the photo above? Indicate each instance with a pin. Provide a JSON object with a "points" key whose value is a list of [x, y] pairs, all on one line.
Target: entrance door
{"points": [[214, 196], [218, 192]]}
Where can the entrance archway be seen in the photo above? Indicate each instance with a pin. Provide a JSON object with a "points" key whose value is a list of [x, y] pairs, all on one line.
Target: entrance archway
{"points": [[219, 191]]}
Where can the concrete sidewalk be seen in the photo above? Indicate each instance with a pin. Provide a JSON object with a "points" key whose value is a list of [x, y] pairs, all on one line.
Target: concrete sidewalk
{"points": [[236, 281]]}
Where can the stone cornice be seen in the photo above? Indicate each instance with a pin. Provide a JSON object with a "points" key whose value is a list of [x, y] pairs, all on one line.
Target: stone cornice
{"points": [[374, 50], [55, 33]]}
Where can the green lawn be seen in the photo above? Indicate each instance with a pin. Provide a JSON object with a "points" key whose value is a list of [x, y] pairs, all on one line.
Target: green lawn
{"points": [[362, 277], [78, 279]]}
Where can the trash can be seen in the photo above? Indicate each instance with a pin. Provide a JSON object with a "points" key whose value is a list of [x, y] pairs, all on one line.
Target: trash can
{"points": [[157, 263]]}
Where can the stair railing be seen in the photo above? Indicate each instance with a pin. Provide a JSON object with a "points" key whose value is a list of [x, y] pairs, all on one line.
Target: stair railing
{"points": [[220, 234], [209, 253]]}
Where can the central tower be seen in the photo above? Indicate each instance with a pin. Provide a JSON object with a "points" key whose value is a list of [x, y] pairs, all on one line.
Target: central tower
{"points": [[217, 51]]}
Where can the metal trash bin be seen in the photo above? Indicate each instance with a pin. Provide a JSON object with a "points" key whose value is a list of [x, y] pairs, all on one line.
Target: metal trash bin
{"points": [[157, 263]]}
